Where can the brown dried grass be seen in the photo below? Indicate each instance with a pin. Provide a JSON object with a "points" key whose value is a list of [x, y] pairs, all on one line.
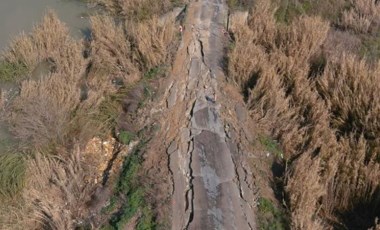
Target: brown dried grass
{"points": [[48, 112], [153, 41], [49, 39], [326, 121], [54, 197], [351, 91], [126, 49], [49, 115], [362, 17], [139, 10], [111, 50], [42, 113], [62, 188]]}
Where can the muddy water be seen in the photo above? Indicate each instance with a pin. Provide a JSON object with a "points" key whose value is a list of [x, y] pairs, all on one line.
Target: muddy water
{"points": [[17, 16], [20, 15]]}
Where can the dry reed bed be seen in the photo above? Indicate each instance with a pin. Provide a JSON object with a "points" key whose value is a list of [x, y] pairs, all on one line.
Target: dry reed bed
{"points": [[153, 40], [362, 17], [43, 118], [138, 10], [133, 42], [54, 196], [326, 120], [128, 48], [49, 39], [111, 51], [41, 115], [49, 116]]}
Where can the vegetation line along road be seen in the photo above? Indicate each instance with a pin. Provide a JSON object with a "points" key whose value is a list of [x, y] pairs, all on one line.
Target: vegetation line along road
{"points": [[273, 124]]}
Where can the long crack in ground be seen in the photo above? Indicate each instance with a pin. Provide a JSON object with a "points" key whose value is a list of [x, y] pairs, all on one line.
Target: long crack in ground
{"points": [[211, 184]]}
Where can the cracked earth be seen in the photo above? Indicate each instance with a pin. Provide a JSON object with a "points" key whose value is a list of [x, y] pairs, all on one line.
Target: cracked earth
{"points": [[205, 130]]}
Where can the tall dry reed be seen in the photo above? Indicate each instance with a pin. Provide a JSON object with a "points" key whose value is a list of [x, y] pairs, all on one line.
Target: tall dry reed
{"points": [[362, 17], [49, 39], [326, 121]]}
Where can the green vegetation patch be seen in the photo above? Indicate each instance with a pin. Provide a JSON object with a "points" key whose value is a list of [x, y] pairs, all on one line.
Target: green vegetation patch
{"points": [[270, 217], [239, 4], [4, 144], [370, 47], [271, 146], [126, 137], [148, 93], [232, 4], [155, 72], [288, 11], [110, 109], [10, 72], [177, 3], [147, 222], [12, 174], [130, 193]]}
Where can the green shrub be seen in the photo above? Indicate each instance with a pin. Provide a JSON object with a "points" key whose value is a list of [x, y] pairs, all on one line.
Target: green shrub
{"points": [[155, 72], [146, 221], [131, 194], [12, 174], [271, 146], [134, 202], [125, 137], [109, 110], [5, 144], [107, 227], [128, 177], [232, 3], [239, 4], [370, 48], [111, 206], [288, 11], [291, 9], [270, 217], [10, 72]]}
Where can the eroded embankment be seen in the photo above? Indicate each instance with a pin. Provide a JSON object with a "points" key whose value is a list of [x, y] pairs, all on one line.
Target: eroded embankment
{"points": [[211, 186]]}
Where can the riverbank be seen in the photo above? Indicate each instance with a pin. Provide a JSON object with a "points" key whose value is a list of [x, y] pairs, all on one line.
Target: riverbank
{"points": [[84, 94], [20, 16]]}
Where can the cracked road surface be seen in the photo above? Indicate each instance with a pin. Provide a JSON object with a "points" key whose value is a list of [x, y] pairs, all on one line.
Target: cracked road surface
{"points": [[210, 189]]}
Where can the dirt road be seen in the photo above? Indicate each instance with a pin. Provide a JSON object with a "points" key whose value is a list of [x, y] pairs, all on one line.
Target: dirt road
{"points": [[211, 187]]}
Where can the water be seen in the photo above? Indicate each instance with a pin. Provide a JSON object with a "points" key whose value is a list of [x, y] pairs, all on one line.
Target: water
{"points": [[21, 15]]}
